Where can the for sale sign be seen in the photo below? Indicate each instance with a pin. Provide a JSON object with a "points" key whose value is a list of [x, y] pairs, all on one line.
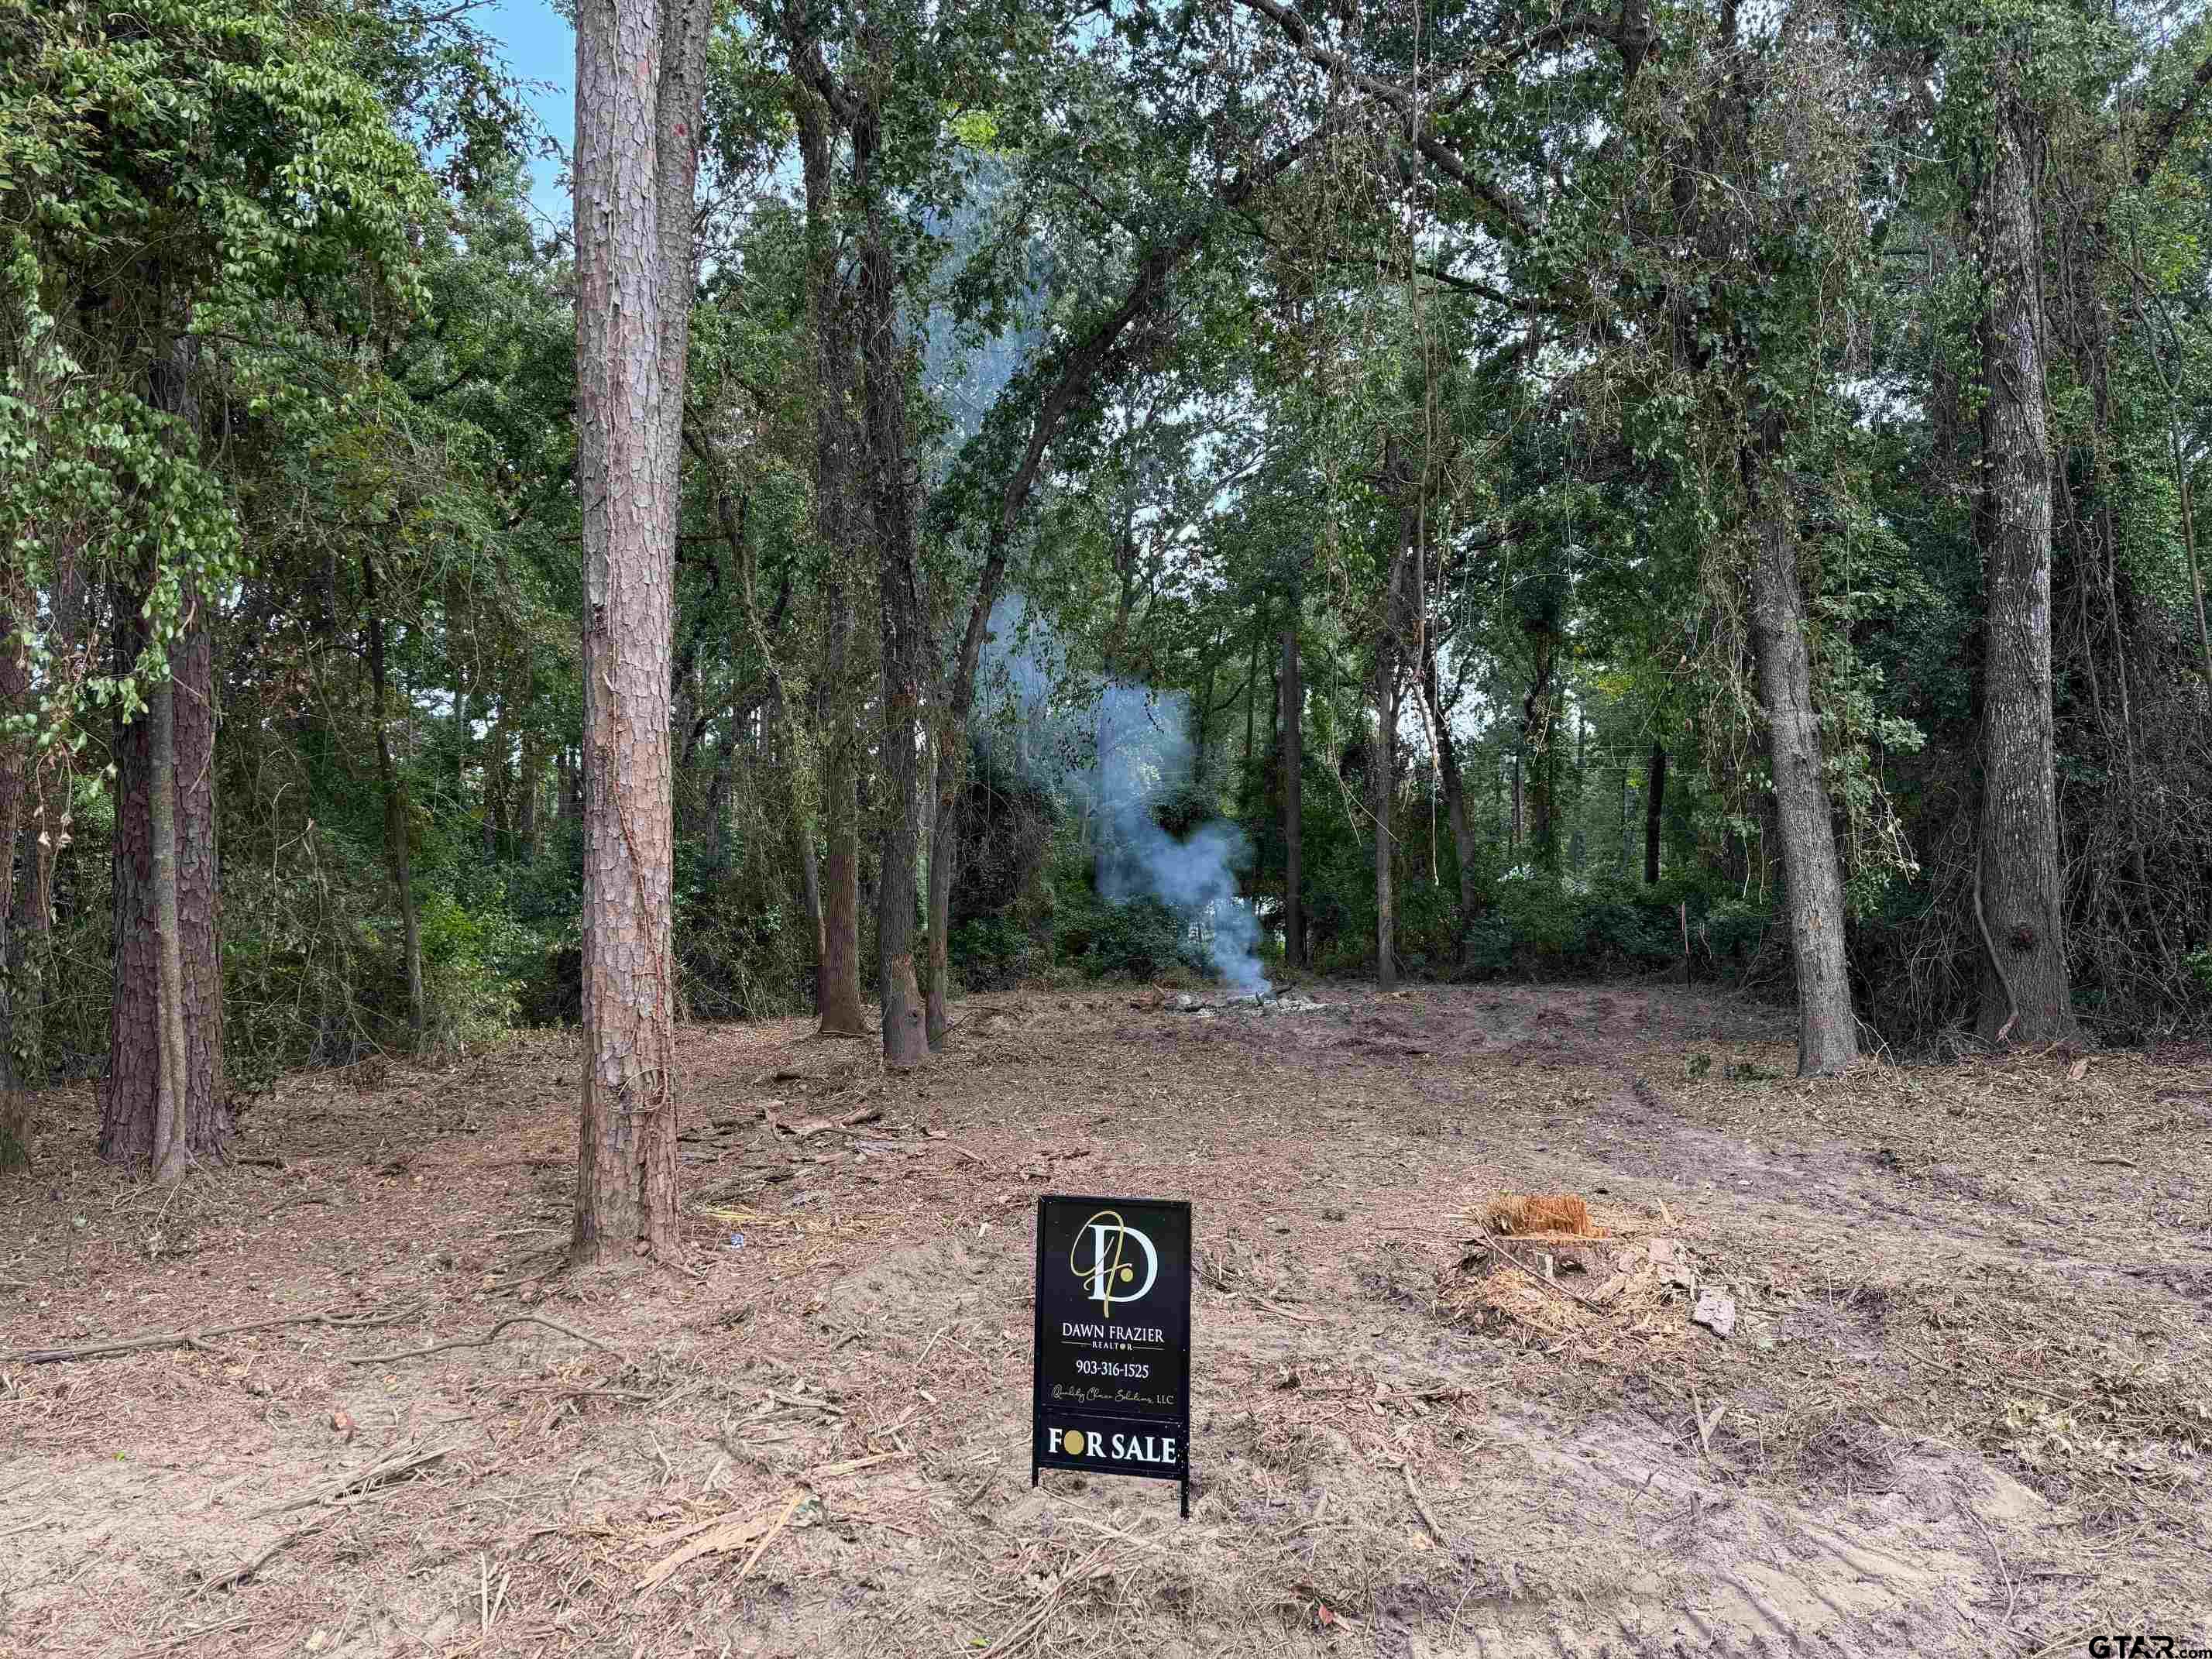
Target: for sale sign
{"points": [[1112, 1375]]}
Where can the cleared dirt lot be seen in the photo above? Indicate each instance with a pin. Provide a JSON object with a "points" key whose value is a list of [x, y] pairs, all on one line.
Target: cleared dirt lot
{"points": [[1967, 1404]]}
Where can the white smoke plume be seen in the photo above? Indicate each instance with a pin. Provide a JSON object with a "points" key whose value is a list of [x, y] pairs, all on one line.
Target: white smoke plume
{"points": [[1111, 749]]}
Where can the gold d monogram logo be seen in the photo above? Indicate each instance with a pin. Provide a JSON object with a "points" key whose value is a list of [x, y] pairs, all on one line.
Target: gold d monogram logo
{"points": [[1107, 1271]]}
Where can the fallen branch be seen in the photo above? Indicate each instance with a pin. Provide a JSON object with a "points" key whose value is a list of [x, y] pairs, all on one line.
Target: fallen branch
{"points": [[804, 1404], [201, 1339], [2012, 1596], [239, 1575], [1413, 1493], [773, 1532], [399, 1463], [485, 1341]]}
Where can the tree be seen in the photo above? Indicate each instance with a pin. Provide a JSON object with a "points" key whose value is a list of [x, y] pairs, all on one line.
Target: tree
{"points": [[640, 68], [2018, 896], [237, 162], [816, 102]]}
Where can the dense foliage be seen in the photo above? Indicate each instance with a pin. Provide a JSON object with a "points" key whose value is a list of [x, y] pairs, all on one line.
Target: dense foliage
{"points": [[1487, 373]]}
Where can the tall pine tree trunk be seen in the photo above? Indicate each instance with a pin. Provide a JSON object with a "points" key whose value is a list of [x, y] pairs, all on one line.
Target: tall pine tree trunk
{"points": [[2025, 994], [1827, 1030], [639, 72]]}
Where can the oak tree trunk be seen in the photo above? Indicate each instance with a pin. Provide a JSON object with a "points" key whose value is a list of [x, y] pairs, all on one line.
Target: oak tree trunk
{"points": [[1827, 1029], [639, 70], [2025, 994]]}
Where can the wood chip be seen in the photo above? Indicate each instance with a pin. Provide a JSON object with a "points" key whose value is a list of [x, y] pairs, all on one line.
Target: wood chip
{"points": [[711, 1537]]}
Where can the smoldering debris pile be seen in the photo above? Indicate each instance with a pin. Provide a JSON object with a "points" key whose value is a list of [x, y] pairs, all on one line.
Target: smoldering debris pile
{"points": [[1113, 752], [1266, 1002]]}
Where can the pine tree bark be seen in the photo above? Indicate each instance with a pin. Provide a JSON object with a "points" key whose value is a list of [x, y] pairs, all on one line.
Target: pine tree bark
{"points": [[640, 73], [1827, 1027], [1293, 741], [396, 861], [2026, 998]]}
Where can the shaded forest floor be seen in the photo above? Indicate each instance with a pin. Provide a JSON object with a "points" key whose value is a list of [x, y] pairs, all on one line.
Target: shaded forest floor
{"points": [[1966, 1405]]}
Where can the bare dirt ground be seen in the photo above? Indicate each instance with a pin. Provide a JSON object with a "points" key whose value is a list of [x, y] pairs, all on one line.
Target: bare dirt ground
{"points": [[1966, 1405]]}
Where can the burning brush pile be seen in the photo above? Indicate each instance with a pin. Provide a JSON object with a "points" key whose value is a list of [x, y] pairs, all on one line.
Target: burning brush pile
{"points": [[1542, 1267], [1267, 999]]}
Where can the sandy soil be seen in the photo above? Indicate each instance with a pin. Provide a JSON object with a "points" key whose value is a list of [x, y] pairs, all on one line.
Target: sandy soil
{"points": [[1966, 1405]]}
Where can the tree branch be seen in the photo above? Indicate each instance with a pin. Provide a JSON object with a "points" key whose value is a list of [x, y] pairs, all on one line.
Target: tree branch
{"points": [[2169, 125]]}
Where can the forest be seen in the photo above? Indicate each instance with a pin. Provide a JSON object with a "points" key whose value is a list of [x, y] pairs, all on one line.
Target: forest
{"points": [[980, 495]]}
